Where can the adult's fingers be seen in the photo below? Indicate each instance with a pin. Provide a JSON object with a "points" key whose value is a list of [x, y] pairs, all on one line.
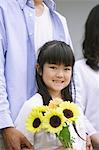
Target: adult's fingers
{"points": [[26, 143]]}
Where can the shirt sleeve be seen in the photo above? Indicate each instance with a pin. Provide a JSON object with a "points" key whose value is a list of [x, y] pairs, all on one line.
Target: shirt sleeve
{"points": [[5, 119], [89, 128], [20, 122]]}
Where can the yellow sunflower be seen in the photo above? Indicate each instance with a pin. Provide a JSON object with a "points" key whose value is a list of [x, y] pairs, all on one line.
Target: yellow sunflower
{"points": [[34, 121], [55, 103], [54, 121], [70, 110], [41, 109]]}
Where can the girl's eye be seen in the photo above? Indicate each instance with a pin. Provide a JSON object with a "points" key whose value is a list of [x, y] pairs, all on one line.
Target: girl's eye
{"points": [[53, 67], [67, 69]]}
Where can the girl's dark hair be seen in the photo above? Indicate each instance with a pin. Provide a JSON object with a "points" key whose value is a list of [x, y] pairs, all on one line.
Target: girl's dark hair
{"points": [[54, 52], [91, 41]]}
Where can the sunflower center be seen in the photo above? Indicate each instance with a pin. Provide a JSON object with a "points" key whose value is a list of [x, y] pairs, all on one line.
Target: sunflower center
{"points": [[68, 113], [55, 121], [36, 123]]}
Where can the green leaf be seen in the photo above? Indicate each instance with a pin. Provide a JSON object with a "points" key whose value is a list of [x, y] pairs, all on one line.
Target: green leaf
{"points": [[65, 134], [65, 138]]}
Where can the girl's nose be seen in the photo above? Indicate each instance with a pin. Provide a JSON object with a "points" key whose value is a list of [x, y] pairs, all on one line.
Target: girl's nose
{"points": [[59, 74]]}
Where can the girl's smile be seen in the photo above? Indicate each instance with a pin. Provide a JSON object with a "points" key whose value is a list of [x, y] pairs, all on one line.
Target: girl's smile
{"points": [[56, 77]]}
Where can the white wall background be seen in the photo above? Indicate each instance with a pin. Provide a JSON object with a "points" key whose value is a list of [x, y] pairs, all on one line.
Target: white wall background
{"points": [[76, 12]]}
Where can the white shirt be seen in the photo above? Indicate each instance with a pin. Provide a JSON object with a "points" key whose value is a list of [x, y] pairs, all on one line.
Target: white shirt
{"points": [[43, 28], [87, 91]]}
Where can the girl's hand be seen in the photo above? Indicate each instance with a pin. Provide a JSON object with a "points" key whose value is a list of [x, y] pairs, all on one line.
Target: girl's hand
{"points": [[88, 143], [15, 140], [95, 141], [60, 148]]}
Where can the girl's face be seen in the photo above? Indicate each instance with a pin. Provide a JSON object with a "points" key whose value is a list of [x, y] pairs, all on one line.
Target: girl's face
{"points": [[56, 77]]}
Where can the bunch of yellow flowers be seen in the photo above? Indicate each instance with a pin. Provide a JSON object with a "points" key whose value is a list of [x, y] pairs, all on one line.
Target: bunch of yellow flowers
{"points": [[54, 118]]}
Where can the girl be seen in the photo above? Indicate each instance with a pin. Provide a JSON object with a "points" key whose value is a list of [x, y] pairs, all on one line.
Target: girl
{"points": [[54, 76]]}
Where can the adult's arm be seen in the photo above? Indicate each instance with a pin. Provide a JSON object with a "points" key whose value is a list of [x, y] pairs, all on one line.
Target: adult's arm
{"points": [[5, 118], [13, 138]]}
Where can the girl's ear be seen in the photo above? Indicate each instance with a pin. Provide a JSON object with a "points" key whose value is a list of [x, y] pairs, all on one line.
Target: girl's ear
{"points": [[38, 68]]}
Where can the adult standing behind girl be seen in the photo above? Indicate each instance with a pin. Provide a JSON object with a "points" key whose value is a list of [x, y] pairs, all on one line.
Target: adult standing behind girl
{"points": [[54, 76], [24, 26], [87, 70]]}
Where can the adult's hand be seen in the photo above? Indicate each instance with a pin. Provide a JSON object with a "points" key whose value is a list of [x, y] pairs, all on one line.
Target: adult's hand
{"points": [[15, 140]]}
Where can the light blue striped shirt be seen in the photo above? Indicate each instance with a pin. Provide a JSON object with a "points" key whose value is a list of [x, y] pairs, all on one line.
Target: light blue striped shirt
{"points": [[17, 54]]}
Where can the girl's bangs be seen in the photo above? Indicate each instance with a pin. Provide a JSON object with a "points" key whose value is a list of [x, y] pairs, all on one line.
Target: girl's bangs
{"points": [[59, 55]]}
